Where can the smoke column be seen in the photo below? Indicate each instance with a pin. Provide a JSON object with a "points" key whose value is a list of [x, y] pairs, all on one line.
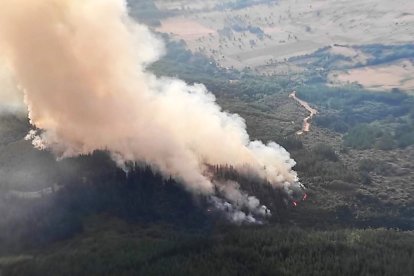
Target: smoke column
{"points": [[81, 65], [11, 99]]}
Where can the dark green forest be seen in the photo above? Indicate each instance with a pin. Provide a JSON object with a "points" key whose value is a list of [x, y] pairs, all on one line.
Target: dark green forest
{"points": [[369, 119], [122, 249]]}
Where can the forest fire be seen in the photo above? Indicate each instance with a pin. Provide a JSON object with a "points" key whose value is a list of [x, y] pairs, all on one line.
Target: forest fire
{"points": [[296, 203], [84, 96]]}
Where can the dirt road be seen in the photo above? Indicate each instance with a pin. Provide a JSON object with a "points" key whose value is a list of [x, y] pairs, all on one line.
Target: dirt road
{"points": [[312, 111]]}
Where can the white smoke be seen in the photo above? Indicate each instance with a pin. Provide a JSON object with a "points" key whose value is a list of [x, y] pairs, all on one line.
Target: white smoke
{"points": [[82, 67], [232, 212], [231, 191], [232, 201]]}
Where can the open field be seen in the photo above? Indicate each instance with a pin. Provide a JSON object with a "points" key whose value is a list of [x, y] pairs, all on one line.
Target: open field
{"points": [[257, 34], [398, 74], [179, 27]]}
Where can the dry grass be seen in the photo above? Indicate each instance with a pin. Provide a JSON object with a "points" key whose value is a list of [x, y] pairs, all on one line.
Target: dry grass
{"points": [[398, 74], [292, 27]]}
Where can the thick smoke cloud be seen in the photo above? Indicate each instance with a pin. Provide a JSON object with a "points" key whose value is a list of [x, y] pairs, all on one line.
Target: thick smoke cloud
{"points": [[11, 99], [81, 65]]}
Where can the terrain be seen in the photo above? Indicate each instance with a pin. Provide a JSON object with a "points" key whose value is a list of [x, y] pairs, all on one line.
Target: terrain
{"points": [[86, 216], [264, 35]]}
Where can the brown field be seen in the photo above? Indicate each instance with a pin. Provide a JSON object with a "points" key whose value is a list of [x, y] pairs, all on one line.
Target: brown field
{"points": [[387, 76], [291, 28], [180, 28]]}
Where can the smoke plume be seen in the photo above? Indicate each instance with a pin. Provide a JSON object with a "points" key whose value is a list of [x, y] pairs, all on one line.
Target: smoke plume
{"points": [[81, 65], [11, 99], [235, 201]]}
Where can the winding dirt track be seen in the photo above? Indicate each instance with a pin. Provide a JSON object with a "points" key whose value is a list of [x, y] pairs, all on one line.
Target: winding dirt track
{"points": [[312, 111]]}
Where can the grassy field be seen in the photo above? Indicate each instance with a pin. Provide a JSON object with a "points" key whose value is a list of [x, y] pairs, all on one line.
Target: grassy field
{"points": [[255, 34], [264, 35], [394, 75]]}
